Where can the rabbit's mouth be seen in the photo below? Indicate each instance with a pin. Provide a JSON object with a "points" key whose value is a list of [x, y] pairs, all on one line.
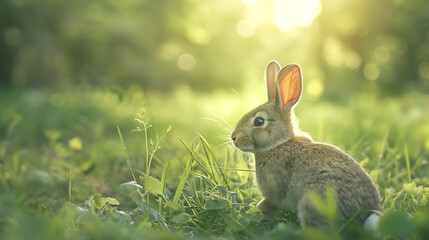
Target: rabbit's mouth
{"points": [[244, 148], [247, 149]]}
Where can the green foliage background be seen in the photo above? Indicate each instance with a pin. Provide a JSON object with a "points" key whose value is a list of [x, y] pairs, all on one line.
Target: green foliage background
{"points": [[118, 44], [71, 71]]}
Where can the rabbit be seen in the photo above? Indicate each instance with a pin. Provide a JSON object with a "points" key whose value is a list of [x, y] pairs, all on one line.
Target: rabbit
{"points": [[289, 165]]}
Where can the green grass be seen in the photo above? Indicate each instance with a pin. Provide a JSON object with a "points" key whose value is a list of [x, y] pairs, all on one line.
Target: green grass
{"points": [[90, 164]]}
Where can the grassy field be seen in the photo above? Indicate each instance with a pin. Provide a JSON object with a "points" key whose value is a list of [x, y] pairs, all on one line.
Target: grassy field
{"points": [[100, 164]]}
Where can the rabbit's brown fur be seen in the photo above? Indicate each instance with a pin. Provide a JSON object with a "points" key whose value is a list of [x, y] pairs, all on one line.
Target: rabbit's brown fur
{"points": [[289, 166]]}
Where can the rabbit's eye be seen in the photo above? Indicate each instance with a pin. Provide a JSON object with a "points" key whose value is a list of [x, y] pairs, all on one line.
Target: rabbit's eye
{"points": [[259, 122]]}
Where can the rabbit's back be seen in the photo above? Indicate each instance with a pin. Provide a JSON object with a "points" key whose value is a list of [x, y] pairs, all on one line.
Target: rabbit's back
{"points": [[329, 165], [289, 171]]}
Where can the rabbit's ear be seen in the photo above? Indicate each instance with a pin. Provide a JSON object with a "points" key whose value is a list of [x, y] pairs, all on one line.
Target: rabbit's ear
{"points": [[271, 72], [289, 82]]}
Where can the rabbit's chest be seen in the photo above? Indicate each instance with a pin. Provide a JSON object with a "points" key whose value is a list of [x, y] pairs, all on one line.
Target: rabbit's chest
{"points": [[273, 181]]}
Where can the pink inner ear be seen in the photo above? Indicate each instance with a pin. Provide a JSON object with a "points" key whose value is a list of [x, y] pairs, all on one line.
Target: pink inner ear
{"points": [[290, 84]]}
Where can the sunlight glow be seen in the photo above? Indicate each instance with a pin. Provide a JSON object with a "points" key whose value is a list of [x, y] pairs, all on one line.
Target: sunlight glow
{"points": [[291, 13], [249, 2], [245, 28]]}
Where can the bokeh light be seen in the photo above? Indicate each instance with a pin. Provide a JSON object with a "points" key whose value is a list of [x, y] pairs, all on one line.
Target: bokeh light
{"points": [[186, 62], [382, 54], [353, 60], [424, 70], [315, 87], [245, 28], [291, 13], [371, 71]]}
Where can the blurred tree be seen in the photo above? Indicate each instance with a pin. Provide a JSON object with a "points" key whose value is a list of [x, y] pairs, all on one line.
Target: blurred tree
{"points": [[384, 41], [6, 51], [351, 46]]}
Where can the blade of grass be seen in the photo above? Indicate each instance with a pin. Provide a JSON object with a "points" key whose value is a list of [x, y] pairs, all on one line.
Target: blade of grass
{"points": [[237, 169], [152, 156], [407, 160], [141, 172], [203, 166], [196, 195], [207, 150], [212, 159], [146, 148], [158, 160], [164, 174], [126, 153], [383, 145], [183, 180], [349, 221], [15, 121], [184, 176], [193, 209], [70, 185], [207, 180], [216, 164], [225, 162], [163, 182]]}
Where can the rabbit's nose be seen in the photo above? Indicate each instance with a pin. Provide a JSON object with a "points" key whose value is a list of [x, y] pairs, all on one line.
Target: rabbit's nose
{"points": [[233, 136]]}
